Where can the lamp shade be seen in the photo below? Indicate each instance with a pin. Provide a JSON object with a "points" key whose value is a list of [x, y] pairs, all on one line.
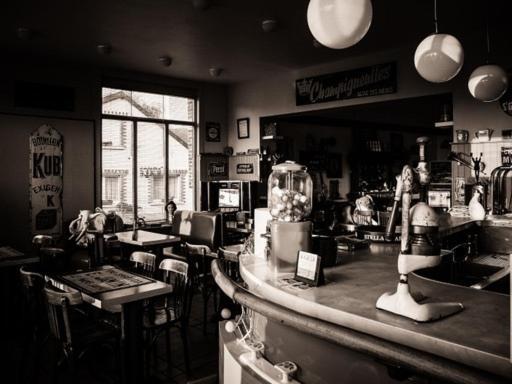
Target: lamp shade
{"points": [[439, 57], [339, 24], [488, 82]]}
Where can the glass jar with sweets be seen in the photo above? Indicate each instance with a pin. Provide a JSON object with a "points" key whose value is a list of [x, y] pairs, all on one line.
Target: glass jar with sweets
{"points": [[290, 191]]}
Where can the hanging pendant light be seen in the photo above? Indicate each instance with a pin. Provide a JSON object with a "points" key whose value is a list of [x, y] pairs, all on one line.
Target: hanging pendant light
{"points": [[339, 24], [439, 57], [488, 82]]}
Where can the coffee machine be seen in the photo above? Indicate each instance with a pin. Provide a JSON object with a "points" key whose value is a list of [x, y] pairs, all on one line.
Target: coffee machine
{"points": [[290, 192], [420, 245]]}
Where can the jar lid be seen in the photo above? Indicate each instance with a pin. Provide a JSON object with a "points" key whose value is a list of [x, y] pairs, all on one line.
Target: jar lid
{"points": [[288, 166]]}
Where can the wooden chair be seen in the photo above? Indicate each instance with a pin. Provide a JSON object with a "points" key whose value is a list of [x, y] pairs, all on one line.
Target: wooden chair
{"points": [[33, 318], [174, 311], [201, 248], [74, 333], [181, 226], [143, 263], [32, 284]]}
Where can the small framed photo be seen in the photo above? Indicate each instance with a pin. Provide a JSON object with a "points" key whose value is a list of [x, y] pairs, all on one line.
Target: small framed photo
{"points": [[243, 128], [309, 269]]}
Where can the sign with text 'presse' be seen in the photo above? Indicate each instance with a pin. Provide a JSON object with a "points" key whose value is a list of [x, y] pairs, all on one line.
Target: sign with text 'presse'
{"points": [[379, 79], [46, 180]]}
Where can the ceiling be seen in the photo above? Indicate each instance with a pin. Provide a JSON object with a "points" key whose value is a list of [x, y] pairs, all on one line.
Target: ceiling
{"points": [[227, 34]]}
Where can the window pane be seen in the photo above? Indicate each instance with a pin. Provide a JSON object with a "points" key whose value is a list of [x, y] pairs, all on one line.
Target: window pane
{"points": [[179, 108], [181, 165], [150, 171], [116, 102], [117, 160], [150, 105]]}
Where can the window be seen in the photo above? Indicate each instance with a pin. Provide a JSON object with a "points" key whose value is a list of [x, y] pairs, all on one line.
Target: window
{"points": [[111, 190], [146, 136]]}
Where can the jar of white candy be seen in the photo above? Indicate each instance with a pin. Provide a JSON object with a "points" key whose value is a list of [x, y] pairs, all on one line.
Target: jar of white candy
{"points": [[290, 192]]}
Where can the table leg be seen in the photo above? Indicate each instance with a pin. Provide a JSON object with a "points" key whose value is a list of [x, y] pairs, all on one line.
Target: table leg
{"points": [[133, 354]]}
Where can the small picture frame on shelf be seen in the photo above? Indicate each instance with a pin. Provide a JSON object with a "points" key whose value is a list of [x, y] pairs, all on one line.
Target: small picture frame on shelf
{"points": [[243, 128]]}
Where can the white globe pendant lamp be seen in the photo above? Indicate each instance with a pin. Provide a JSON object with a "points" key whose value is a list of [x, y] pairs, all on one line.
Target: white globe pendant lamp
{"points": [[488, 82], [339, 24], [439, 57]]}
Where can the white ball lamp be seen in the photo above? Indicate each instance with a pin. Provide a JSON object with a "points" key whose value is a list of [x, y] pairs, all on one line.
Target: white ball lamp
{"points": [[488, 83], [339, 24], [439, 57]]}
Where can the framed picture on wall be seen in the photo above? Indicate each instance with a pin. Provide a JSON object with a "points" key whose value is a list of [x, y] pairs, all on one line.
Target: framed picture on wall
{"points": [[243, 128]]}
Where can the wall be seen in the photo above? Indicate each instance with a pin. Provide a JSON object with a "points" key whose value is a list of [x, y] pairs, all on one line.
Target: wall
{"points": [[276, 95], [343, 136], [87, 84]]}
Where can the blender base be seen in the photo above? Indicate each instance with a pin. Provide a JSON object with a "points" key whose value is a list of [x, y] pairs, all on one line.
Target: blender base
{"points": [[402, 303]]}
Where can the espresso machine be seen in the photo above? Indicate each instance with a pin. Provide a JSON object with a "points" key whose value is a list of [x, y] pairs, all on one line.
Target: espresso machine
{"points": [[420, 245], [501, 190], [290, 192]]}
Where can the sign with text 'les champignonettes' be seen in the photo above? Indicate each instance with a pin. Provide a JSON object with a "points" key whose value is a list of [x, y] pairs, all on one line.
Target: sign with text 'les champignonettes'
{"points": [[46, 181], [376, 80]]}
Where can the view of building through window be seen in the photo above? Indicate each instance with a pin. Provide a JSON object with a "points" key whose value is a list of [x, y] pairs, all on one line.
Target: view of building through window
{"points": [[136, 128]]}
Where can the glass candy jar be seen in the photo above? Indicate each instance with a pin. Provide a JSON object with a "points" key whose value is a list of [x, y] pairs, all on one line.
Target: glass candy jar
{"points": [[290, 191]]}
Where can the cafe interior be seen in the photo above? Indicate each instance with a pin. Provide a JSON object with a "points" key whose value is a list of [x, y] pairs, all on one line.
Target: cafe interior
{"points": [[221, 191]]}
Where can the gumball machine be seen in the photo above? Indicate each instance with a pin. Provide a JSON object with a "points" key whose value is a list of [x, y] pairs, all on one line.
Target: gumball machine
{"points": [[290, 193]]}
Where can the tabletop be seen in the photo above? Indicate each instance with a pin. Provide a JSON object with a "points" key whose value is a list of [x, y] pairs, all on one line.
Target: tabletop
{"points": [[106, 286], [10, 257], [146, 238]]}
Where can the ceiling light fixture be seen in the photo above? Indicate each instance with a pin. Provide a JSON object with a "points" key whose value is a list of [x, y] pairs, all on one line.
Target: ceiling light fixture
{"points": [[439, 57], [24, 33], [166, 61], [104, 49], [488, 82], [201, 4], [269, 25], [339, 24], [215, 71]]}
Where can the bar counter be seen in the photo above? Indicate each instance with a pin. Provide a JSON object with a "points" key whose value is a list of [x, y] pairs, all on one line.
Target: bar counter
{"points": [[478, 337]]}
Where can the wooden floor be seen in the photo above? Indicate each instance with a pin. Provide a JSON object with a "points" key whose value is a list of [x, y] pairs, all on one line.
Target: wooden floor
{"points": [[19, 355]]}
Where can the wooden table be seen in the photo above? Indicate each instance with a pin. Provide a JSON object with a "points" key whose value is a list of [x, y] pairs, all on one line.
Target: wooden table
{"points": [[146, 239], [10, 257], [129, 297]]}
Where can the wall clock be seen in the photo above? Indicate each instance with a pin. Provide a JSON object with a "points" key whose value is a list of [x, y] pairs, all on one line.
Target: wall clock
{"points": [[212, 131]]}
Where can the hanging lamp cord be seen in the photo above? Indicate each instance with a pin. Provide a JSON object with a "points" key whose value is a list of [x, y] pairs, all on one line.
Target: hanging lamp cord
{"points": [[487, 33], [435, 17]]}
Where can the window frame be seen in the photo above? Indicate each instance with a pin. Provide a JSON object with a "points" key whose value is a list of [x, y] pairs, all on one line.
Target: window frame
{"points": [[167, 123]]}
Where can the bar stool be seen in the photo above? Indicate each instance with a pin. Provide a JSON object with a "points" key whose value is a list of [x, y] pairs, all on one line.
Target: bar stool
{"points": [[41, 241], [53, 259]]}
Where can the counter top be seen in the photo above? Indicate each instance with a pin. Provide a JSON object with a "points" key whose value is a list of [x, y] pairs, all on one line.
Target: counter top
{"points": [[479, 336]]}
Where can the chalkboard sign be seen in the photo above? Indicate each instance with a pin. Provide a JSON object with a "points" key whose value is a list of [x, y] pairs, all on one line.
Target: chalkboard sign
{"points": [[380, 79]]}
